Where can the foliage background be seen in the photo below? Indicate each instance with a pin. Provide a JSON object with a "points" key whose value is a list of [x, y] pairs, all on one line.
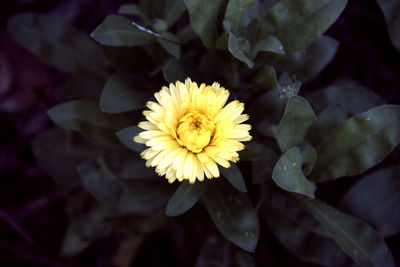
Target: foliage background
{"points": [[32, 218]]}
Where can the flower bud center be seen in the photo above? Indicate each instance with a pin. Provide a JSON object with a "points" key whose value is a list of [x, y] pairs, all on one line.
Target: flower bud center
{"points": [[195, 131]]}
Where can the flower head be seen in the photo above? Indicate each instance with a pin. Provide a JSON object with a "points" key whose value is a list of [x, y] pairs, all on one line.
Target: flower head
{"points": [[189, 131]]}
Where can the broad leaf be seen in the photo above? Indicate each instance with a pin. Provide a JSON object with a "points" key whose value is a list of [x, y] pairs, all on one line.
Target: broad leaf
{"points": [[266, 78], [126, 137], [173, 10], [204, 17], [125, 59], [58, 43], [184, 198], [228, 41], [232, 213], [234, 176], [288, 174], [179, 70], [295, 123], [298, 23], [375, 199], [270, 44], [356, 238], [358, 144], [86, 118], [234, 13], [309, 155], [256, 151], [307, 63], [133, 9], [119, 31], [391, 9], [170, 44], [119, 96]]}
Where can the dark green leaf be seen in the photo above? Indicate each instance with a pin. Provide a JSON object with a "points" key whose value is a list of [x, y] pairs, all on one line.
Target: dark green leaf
{"points": [[352, 98], [298, 23], [234, 13], [159, 25], [391, 9], [126, 137], [214, 252], [180, 70], [132, 9], [123, 196], [58, 43], [256, 151], [266, 78], [375, 199], [307, 63], [358, 144], [267, 104], [119, 31], [170, 44], [295, 123], [86, 118], [356, 238], [228, 41], [119, 96], [299, 232], [173, 10], [288, 174], [309, 155], [287, 90], [184, 198], [204, 18], [233, 214], [270, 44], [72, 88], [125, 59], [58, 152], [235, 177]]}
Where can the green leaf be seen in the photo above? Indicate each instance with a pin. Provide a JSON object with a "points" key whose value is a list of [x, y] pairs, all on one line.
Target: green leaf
{"points": [[228, 41], [266, 78], [58, 152], [170, 44], [288, 174], [71, 88], [86, 118], [353, 99], [234, 13], [288, 90], [184, 198], [327, 120], [356, 238], [256, 151], [177, 70], [295, 123], [391, 9], [298, 23], [358, 144], [125, 59], [235, 177], [119, 96], [132, 9], [309, 155], [58, 43], [233, 214], [375, 199], [204, 17], [173, 10], [126, 137], [270, 44], [307, 63], [299, 232], [267, 104], [120, 31], [121, 195]]}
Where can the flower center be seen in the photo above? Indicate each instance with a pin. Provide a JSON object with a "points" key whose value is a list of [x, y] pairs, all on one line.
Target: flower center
{"points": [[195, 131]]}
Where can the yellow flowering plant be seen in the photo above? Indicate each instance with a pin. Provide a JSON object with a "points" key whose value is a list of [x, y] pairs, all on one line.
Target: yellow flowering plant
{"points": [[195, 105]]}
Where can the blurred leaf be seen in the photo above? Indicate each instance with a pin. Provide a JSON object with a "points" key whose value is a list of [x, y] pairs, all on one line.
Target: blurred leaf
{"points": [[298, 23], [235, 177], [58, 43], [233, 214], [358, 144], [270, 44], [119, 96], [288, 175], [295, 122], [184, 198], [288, 90], [267, 104], [309, 155], [327, 120], [266, 78], [134, 168], [235, 10], [299, 232], [180, 70], [86, 118], [173, 10], [58, 152], [391, 10], [204, 17], [375, 199], [256, 151], [356, 238], [119, 31], [352, 98], [307, 63], [126, 137], [228, 41], [159, 25], [72, 88], [170, 44], [123, 196], [132, 9]]}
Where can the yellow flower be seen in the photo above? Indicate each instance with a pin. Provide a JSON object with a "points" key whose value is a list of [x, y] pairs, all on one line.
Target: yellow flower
{"points": [[189, 131]]}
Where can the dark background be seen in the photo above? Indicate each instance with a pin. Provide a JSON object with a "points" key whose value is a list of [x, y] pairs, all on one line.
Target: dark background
{"points": [[32, 218]]}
